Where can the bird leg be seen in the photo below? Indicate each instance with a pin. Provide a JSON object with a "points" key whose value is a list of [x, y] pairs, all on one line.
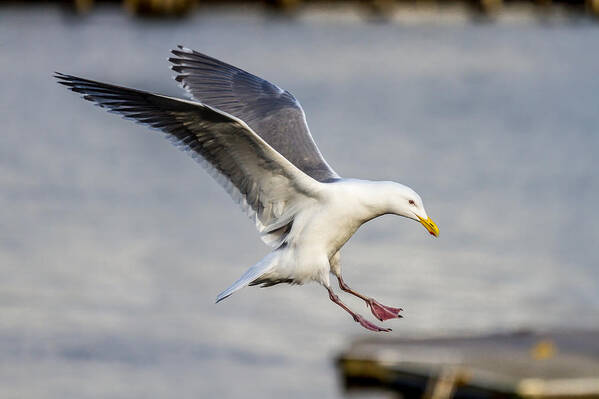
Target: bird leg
{"points": [[379, 310], [357, 317]]}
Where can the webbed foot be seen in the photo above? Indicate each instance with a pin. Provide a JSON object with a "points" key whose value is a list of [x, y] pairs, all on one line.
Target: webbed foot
{"points": [[383, 312], [368, 325]]}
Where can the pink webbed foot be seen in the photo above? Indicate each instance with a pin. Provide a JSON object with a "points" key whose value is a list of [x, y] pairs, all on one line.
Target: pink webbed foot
{"points": [[368, 325], [383, 312], [357, 317]]}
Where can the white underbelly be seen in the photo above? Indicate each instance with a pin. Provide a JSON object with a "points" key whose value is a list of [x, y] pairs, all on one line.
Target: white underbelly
{"points": [[324, 233], [316, 235]]}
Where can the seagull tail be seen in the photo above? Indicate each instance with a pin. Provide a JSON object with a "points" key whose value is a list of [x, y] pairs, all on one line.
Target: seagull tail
{"points": [[254, 272]]}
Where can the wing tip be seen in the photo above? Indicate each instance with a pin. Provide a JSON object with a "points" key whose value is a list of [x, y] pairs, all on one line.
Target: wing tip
{"points": [[177, 68], [72, 82], [175, 61], [62, 78], [66, 80], [182, 49], [222, 296]]}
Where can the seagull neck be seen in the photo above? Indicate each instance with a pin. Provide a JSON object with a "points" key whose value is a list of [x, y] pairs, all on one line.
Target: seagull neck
{"points": [[375, 198]]}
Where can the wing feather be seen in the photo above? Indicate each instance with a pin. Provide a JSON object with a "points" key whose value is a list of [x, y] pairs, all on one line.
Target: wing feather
{"points": [[273, 113], [266, 185]]}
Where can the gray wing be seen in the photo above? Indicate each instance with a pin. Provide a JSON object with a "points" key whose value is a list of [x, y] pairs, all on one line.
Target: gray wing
{"points": [[268, 187], [271, 112]]}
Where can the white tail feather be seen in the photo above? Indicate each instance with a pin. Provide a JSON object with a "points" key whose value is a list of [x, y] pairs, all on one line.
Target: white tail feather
{"points": [[267, 263]]}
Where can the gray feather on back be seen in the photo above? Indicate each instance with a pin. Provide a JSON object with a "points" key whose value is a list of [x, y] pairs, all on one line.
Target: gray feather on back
{"points": [[273, 113]]}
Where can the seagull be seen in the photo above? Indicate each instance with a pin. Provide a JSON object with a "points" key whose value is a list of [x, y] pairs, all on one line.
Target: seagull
{"points": [[252, 137]]}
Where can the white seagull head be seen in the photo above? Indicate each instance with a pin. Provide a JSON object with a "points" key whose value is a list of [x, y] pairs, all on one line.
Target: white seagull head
{"points": [[404, 201]]}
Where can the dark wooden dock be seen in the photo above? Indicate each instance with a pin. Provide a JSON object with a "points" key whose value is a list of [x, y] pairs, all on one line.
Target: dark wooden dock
{"points": [[516, 365]]}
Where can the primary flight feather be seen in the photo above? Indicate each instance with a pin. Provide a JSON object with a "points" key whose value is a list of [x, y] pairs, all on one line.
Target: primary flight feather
{"points": [[252, 137]]}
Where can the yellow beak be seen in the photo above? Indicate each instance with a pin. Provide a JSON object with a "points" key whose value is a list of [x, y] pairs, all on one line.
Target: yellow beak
{"points": [[430, 226]]}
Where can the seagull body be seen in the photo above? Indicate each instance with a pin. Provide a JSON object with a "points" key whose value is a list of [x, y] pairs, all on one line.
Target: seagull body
{"points": [[252, 137]]}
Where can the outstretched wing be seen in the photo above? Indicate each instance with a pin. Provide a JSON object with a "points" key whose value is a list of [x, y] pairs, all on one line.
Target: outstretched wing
{"points": [[268, 187], [271, 112]]}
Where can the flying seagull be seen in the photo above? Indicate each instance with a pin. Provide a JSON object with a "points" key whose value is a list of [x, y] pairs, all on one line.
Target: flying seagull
{"points": [[252, 137]]}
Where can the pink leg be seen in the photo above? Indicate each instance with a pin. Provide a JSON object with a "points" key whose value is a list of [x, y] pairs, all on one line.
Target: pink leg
{"points": [[358, 318], [379, 310]]}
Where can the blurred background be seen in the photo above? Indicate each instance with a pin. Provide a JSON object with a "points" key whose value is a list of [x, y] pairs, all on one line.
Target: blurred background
{"points": [[113, 244]]}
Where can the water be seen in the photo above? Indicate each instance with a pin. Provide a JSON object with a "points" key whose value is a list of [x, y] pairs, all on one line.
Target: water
{"points": [[113, 245]]}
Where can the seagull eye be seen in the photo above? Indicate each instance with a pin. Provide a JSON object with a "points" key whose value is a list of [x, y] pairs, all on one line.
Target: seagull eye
{"points": [[412, 202]]}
